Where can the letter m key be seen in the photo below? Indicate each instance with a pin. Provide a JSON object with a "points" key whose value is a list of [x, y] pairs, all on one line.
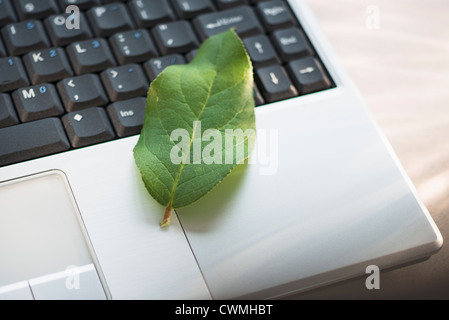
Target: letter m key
{"points": [[28, 94]]}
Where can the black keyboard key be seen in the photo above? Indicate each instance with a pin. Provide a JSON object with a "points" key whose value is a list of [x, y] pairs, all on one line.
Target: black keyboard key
{"points": [[125, 82], [90, 56], [47, 65], [7, 14], [148, 13], [109, 19], [35, 9], [308, 75], [3, 52], [274, 83], [175, 37], [82, 92], [25, 36], [258, 99], [81, 4], [12, 75], [275, 14], [261, 51], [127, 116], [225, 4], [88, 127], [191, 55], [32, 140], [155, 66], [133, 46], [60, 35], [291, 44], [242, 18], [8, 116], [37, 102], [187, 9]]}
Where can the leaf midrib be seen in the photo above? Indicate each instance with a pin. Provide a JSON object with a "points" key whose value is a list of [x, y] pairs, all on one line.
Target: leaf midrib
{"points": [[175, 183]]}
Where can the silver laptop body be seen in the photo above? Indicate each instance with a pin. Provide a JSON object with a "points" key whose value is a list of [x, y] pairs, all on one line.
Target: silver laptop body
{"points": [[334, 201]]}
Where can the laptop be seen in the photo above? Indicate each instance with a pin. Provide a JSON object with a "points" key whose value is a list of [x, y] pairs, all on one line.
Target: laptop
{"points": [[326, 200]]}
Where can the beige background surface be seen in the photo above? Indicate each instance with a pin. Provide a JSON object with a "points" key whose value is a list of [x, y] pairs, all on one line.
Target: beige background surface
{"points": [[397, 52]]}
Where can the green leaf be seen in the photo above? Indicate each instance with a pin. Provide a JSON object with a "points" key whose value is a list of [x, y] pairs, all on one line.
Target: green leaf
{"points": [[186, 147]]}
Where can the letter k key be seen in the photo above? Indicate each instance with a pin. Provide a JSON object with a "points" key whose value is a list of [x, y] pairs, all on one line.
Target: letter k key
{"points": [[47, 65], [37, 57]]}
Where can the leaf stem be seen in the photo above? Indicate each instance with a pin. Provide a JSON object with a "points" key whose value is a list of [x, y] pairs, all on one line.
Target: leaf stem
{"points": [[167, 217]]}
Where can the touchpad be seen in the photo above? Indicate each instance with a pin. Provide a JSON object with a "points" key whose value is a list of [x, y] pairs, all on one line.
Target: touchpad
{"points": [[45, 251]]}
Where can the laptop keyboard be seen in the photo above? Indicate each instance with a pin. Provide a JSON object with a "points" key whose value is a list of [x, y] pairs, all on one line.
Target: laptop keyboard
{"points": [[63, 88]]}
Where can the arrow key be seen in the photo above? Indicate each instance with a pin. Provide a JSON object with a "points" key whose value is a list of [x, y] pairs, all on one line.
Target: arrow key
{"points": [[308, 75], [81, 92], [274, 83], [261, 51]]}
